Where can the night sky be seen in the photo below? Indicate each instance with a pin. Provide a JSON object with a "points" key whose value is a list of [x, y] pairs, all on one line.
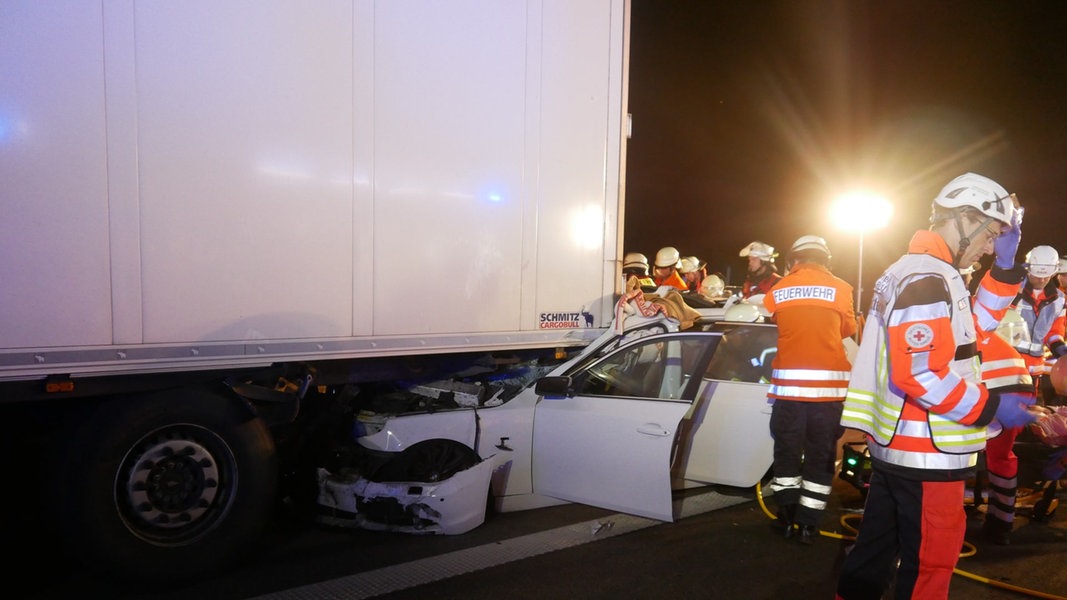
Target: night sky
{"points": [[748, 118]]}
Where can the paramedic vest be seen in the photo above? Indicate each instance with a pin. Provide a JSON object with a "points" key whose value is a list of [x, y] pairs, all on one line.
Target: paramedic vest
{"points": [[1039, 319], [874, 405]]}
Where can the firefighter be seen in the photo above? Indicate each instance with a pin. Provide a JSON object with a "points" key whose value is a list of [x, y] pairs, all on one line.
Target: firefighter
{"points": [[762, 274], [1041, 305], [666, 269], [915, 392], [635, 264], [814, 313], [693, 272]]}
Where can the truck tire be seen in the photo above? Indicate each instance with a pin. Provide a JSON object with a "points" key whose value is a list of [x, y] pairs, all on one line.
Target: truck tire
{"points": [[164, 487]]}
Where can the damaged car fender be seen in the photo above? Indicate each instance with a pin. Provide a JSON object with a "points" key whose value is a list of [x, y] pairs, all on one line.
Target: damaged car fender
{"points": [[448, 504]]}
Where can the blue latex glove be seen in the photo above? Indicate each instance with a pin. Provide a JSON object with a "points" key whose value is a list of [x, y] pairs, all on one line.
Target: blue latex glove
{"points": [[1011, 412], [1007, 244]]}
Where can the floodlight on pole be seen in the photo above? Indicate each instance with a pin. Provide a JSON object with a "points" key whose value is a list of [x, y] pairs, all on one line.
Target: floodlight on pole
{"points": [[861, 211]]}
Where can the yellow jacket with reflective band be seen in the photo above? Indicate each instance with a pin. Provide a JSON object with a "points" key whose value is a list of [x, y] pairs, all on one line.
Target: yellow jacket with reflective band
{"points": [[915, 385]]}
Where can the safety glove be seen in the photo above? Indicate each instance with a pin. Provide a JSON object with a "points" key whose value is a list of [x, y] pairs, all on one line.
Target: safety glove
{"points": [[1007, 244], [1011, 411]]}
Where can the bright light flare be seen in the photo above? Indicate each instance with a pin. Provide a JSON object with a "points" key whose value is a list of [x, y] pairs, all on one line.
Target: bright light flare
{"points": [[861, 211], [587, 227]]}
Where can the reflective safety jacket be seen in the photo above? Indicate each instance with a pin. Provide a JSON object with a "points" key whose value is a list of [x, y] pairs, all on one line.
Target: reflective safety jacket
{"points": [[673, 280], [914, 388], [1043, 312], [643, 281], [760, 284], [1003, 369], [813, 310]]}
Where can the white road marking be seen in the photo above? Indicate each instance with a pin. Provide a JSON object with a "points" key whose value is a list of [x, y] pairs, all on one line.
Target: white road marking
{"points": [[435, 568]]}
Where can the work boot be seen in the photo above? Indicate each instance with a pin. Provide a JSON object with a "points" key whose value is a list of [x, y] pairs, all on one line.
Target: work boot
{"points": [[997, 531], [808, 533], [783, 523]]}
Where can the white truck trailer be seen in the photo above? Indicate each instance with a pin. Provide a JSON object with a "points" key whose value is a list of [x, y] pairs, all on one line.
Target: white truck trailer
{"points": [[215, 215]]}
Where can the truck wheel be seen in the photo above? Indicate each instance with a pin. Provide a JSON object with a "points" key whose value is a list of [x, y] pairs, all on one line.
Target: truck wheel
{"points": [[164, 487]]}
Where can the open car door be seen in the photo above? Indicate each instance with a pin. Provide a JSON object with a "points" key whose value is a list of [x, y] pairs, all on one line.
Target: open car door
{"points": [[728, 438], [608, 442]]}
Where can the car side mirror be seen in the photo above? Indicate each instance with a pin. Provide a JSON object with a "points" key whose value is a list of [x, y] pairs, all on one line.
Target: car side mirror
{"points": [[554, 387]]}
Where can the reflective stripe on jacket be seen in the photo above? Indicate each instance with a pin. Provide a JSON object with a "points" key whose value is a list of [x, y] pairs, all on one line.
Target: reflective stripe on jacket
{"points": [[996, 293], [1003, 369], [813, 310], [1043, 312], [914, 387]]}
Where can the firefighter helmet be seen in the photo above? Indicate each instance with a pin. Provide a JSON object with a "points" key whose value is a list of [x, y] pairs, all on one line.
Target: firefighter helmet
{"points": [[1042, 261], [689, 264], [811, 242], [759, 250], [978, 192], [635, 260], [1063, 266], [668, 257], [712, 286], [743, 312]]}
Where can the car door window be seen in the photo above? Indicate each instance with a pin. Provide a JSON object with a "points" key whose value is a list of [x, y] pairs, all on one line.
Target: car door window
{"points": [[655, 368], [745, 354]]}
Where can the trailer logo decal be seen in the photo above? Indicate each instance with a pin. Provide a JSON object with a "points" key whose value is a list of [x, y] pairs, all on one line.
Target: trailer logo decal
{"points": [[566, 320]]}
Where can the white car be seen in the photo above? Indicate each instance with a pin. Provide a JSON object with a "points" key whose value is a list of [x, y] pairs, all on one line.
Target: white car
{"points": [[634, 416]]}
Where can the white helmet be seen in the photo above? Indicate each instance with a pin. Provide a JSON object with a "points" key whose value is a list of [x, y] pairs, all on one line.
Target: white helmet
{"points": [[811, 242], [713, 286], [757, 300], [980, 193], [1012, 328], [635, 260], [689, 264], [744, 312], [1063, 266], [668, 257], [759, 250], [1042, 261]]}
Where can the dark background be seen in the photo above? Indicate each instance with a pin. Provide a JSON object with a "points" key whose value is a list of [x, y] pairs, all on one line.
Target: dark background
{"points": [[749, 117]]}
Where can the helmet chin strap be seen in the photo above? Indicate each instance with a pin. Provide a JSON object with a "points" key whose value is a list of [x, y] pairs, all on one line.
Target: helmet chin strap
{"points": [[965, 240]]}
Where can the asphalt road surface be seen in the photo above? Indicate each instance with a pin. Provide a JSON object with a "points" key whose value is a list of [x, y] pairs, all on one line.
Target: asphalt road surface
{"points": [[722, 548]]}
